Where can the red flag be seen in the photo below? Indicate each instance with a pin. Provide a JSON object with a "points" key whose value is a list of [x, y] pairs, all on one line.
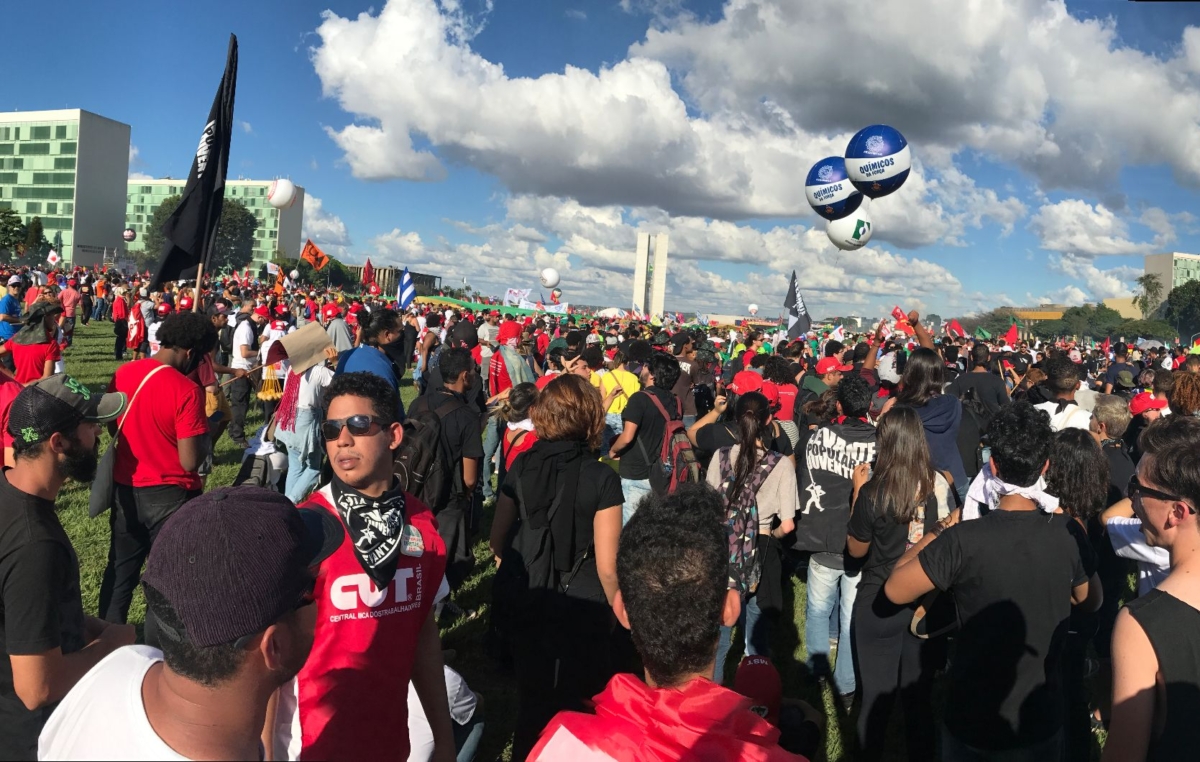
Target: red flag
{"points": [[368, 273], [1012, 336], [314, 256], [1107, 345], [954, 328], [373, 289], [898, 313]]}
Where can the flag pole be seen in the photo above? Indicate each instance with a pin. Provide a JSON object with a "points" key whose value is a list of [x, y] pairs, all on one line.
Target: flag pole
{"points": [[196, 290]]}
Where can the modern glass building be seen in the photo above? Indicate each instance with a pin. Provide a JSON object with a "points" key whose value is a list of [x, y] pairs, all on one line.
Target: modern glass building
{"points": [[67, 167], [278, 229]]}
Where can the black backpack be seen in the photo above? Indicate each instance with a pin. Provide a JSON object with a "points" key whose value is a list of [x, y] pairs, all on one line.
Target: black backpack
{"points": [[423, 463], [975, 420]]}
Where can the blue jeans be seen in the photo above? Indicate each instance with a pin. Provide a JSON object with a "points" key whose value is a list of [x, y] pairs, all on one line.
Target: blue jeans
{"points": [[303, 471], [755, 631], [823, 588], [688, 420], [467, 737], [633, 490], [491, 444], [613, 426]]}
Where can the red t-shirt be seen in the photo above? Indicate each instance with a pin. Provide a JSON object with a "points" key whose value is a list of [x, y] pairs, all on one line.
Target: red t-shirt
{"points": [[787, 401], [545, 380], [498, 379], [511, 451], [8, 392], [30, 359], [352, 693], [120, 309], [170, 408]]}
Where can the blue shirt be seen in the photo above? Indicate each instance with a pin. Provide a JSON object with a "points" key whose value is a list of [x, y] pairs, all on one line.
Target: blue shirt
{"points": [[368, 359], [11, 306]]}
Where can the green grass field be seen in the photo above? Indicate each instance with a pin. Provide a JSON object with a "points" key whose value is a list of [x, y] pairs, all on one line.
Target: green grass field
{"points": [[90, 360]]}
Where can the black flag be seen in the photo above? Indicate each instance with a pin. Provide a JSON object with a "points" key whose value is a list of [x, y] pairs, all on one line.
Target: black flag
{"points": [[191, 230], [799, 322]]}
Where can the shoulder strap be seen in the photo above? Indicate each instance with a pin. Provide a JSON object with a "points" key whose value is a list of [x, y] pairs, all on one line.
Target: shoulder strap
{"points": [[448, 407], [133, 399], [658, 404]]}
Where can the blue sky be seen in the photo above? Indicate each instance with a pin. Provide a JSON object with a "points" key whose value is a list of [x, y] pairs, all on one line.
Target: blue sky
{"points": [[1054, 144]]}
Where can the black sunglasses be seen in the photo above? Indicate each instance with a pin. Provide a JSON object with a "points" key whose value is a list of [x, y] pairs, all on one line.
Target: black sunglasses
{"points": [[359, 425], [1136, 491]]}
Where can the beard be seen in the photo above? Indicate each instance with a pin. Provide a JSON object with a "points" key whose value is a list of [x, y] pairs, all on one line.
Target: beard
{"points": [[79, 463]]}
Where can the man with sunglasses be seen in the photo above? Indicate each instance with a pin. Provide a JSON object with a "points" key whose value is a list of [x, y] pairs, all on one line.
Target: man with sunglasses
{"points": [[230, 585], [1156, 641], [375, 597]]}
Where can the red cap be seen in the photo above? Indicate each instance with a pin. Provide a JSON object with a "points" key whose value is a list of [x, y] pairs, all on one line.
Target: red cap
{"points": [[830, 364], [771, 392], [262, 311], [758, 680], [163, 309], [495, 313], [330, 311], [281, 309], [747, 381], [509, 330], [1145, 401], [185, 303]]}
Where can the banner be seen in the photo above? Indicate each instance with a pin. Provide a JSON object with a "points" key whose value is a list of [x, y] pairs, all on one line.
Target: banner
{"points": [[515, 295], [555, 309]]}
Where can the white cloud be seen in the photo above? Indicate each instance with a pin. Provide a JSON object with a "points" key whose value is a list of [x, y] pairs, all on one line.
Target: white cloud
{"points": [[246, 127], [1077, 227], [576, 14], [135, 161], [1100, 284], [326, 229]]}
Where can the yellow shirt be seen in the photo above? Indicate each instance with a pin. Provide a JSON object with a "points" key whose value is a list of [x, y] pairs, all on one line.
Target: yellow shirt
{"points": [[629, 384]]}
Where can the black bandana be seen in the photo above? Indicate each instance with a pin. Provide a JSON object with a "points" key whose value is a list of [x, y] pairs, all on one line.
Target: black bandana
{"points": [[376, 527]]}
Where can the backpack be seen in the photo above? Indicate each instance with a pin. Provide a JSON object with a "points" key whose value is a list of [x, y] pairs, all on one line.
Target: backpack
{"points": [[434, 360], [971, 431], [422, 463], [741, 520], [677, 463]]}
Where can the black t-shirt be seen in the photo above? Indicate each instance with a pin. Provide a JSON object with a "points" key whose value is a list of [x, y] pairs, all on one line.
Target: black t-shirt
{"points": [[460, 428], [1011, 574], [40, 605], [888, 539], [603, 491], [989, 389], [1120, 471], [641, 410], [709, 439]]}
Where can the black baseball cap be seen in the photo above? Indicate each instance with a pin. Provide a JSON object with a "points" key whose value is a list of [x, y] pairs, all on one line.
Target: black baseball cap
{"points": [[57, 405], [233, 561]]}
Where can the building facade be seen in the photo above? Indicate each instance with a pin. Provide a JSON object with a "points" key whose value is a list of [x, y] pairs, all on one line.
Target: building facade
{"points": [[278, 229], [388, 280], [1173, 269], [650, 274], [69, 168]]}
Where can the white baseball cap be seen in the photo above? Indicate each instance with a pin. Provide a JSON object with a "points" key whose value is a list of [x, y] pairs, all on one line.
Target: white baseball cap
{"points": [[14, 280]]}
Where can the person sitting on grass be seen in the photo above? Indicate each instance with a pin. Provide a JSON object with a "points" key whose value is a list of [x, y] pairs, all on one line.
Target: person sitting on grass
{"points": [[673, 596]]}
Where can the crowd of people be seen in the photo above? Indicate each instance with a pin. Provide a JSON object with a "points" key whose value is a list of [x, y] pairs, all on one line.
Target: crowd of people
{"points": [[946, 510]]}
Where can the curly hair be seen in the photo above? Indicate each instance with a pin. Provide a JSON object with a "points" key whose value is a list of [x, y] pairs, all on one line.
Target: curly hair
{"points": [[1078, 474], [1184, 397], [1020, 436], [673, 572], [384, 398], [188, 331]]}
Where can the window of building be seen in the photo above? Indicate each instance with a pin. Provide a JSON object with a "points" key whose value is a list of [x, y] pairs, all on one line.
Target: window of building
{"points": [[5, 205], [33, 207], [39, 133], [147, 189], [60, 132], [6, 149], [44, 193], [51, 208], [67, 148], [35, 149], [67, 162], [274, 234], [8, 177], [68, 209], [12, 164]]}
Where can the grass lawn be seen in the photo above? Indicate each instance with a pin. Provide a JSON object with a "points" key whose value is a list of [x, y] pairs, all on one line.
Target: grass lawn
{"points": [[90, 360]]}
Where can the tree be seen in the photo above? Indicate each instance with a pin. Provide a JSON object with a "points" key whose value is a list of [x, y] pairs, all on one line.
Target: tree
{"points": [[1149, 295], [1183, 308], [12, 234], [995, 322], [234, 247]]}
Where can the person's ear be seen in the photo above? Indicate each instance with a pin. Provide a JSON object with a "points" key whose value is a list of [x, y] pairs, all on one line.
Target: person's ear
{"points": [[397, 436], [732, 609], [618, 606], [272, 646], [57, 443], [1178, 514]]}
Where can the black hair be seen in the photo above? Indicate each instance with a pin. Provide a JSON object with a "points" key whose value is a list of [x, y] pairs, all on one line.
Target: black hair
{"points": [[759, 361], [950, 354], [554, 357], [1078, 474], [1062, 375], [208, 665], [778, 371], [834, 348], [594, 357], [515, 407], [433, 320], [854, 394], [861, 351], [1020, 437], [981, 355], [665, 370], [1174, 443], [455, 362], [188, 331], [384, 398], [923, 378], [574, 339], [673, 572], [752, 413], [377, 322]]}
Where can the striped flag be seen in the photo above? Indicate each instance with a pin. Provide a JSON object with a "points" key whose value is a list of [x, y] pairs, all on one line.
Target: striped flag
{"points": [[406, 292]]}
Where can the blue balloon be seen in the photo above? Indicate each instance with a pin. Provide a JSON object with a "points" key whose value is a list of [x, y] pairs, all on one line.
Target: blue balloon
{"points": [[829, 190], [878, 160]]}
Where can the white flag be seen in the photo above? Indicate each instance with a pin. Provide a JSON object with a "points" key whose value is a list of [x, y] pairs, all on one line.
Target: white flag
{"points": [[838, 334]]}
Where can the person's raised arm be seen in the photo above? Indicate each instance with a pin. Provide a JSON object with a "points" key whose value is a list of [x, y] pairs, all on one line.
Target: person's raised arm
{"points": [[873, 356], [708, 418], [923, 337]]}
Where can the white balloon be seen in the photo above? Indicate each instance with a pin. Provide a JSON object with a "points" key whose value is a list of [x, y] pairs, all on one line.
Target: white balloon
{"points": [[753, 309], [281, 194], [294, 275], [851, 232], [550, 277]]}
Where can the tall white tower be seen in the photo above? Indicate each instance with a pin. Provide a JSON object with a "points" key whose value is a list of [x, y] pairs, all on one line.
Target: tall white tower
{"points": [[650, 274]]}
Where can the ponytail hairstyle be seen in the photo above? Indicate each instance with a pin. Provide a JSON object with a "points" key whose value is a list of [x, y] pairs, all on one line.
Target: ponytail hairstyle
{"points": [[515, 408], [752, 412]]}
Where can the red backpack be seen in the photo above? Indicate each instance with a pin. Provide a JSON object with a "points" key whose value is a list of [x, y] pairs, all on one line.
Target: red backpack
{"points": [[677, 463]]}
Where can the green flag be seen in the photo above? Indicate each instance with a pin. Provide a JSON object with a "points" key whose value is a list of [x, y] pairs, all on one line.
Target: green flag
{"points": [[982, 334]]}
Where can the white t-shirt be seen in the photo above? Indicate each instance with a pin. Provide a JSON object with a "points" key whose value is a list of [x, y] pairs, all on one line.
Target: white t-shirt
{"points": [[312, 385], [243, 336], [462, 708], [103, 716], [1071, 417], [152, 337], [1153, 564]]}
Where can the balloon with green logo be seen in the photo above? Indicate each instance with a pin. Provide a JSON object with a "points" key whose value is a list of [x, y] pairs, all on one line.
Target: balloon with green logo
{"points": [[851, 232]]}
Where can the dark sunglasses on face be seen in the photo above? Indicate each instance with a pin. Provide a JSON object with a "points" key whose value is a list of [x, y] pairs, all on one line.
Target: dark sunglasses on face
{"points": [[1136, 491], [359, 425]]}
